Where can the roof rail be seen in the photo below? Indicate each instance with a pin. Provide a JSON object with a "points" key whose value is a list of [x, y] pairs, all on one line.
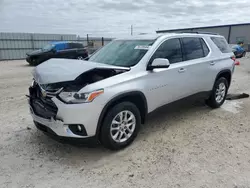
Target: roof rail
{"points": [[200, 32]]}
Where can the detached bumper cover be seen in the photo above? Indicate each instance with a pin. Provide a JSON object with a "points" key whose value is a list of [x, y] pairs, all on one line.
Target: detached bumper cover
{"points": [[61, 119], [86, 115], [55, 127]]}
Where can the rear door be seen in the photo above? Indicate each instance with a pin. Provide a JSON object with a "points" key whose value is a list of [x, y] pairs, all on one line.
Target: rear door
{"points": [[61, 50], [70, 51], [81, 52], [196, 60]]}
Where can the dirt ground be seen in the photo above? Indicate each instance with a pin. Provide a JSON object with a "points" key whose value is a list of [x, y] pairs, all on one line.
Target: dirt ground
{"points": [[187, 146]]}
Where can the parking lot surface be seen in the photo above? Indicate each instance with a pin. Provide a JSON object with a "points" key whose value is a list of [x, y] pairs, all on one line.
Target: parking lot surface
{"points": [[185, 145]]}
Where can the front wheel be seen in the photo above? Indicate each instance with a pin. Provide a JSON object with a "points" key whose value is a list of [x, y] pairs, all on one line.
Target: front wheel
{"points": [[219, 93], [121, 126]]}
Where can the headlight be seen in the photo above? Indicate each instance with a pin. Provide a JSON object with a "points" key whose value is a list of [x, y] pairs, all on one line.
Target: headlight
{"points": [[76, 97]]}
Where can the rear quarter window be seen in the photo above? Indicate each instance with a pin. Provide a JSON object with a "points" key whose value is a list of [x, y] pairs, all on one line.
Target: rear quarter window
{"points": [[222, 44], [75, 45]]}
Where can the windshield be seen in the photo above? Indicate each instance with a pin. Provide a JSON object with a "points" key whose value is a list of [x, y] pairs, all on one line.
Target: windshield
{"points": [[48, 47], [124, 53]]}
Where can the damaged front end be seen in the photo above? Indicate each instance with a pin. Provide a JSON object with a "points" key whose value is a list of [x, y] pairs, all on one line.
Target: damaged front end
{"points": [[67, 90], [64, 79], [41, 104], [82, 80]]}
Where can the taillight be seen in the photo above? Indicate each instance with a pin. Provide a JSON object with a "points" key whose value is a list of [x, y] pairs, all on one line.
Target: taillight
{"points": [[236, 62]]}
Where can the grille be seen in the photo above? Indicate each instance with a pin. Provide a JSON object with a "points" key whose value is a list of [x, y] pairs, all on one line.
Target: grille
{"points": [[42, 106]]}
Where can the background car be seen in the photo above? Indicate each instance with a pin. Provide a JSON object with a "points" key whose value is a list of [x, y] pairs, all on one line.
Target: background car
{"points": [[68, 50]]}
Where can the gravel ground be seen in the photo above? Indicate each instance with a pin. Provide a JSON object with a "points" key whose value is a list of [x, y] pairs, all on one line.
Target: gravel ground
{"points": [[186, 146]]}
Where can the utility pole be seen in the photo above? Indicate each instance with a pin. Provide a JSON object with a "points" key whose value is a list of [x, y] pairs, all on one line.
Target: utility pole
{"points": [[131, 30]]}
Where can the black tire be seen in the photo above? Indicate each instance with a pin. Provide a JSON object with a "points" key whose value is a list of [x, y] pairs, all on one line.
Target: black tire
{"points": [[105, 136], [243, 54], [34, 62], [212, 102], [79, 58]]}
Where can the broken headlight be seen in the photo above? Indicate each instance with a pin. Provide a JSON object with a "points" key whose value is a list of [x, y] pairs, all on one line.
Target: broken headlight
{"points": [[76, 97]]}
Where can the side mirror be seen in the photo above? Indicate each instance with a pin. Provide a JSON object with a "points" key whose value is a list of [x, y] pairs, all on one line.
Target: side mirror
{"points": [[159, 63]]}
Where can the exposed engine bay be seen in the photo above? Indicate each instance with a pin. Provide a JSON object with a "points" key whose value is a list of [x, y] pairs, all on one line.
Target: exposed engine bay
{"points": [[83, 80]]}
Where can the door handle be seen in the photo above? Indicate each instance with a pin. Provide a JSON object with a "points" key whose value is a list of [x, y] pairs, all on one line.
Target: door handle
{"points": [[212, 63], [181, 70]]}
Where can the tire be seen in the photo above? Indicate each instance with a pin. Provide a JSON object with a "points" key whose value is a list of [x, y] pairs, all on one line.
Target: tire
{"points": [[213, 101], [107, 136], [243, 54], [80, 58], [34, 62]]}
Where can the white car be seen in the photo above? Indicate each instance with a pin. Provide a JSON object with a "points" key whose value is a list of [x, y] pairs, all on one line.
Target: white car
{"points": [[109, 96]]}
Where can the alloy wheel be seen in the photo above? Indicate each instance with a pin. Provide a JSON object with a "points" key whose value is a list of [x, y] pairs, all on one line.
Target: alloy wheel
{"points": [[123, 126]]}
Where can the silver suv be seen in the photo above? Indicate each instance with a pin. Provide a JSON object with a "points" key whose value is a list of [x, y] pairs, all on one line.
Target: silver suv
{"points": [[109, 96]]}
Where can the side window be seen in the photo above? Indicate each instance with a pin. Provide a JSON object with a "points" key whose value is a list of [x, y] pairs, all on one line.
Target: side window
{"points": [[222, 44], [205, 48], [170, 49], [75, 45], [192, 48], [79, 45], [71, 45], [60, 46]]}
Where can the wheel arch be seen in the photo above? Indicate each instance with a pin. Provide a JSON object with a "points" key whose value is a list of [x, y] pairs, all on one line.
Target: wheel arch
{"points": [[226, 74], [136, 97]]}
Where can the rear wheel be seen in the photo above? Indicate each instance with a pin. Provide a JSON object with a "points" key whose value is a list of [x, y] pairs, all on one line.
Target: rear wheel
{"points": [[219, 93], [121, 126], [80, 58]]}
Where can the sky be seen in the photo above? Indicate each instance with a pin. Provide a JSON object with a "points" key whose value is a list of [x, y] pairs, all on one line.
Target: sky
{"points": [[113, 18]]}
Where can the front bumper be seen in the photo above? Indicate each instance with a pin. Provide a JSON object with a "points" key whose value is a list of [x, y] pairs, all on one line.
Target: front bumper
{"points": [[89, 141], [86, 115]]}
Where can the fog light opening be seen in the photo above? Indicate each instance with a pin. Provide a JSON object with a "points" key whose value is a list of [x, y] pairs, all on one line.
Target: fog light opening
{"points": [[78, 129]]}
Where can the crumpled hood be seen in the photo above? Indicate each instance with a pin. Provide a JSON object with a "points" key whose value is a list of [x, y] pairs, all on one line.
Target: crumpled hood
{"points": [[61, 70]]}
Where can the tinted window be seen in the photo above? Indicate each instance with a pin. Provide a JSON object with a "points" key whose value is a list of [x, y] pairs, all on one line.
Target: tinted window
{"points": [[205, 48], [75, 45], [192, 48], [222, 44], [170, 49], [79, 45], [60, 46], [48, 47]]}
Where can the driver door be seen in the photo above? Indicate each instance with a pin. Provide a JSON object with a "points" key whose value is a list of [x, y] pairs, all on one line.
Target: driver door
{"points": [[165, 85]]}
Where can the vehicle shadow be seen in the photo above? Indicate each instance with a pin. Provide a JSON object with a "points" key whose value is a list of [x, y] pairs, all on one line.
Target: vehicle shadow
{"points": [[26, 65]]}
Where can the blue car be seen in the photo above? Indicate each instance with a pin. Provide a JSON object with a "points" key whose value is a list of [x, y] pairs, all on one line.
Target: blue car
{"points": [[62, 49], [238, 50]]}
